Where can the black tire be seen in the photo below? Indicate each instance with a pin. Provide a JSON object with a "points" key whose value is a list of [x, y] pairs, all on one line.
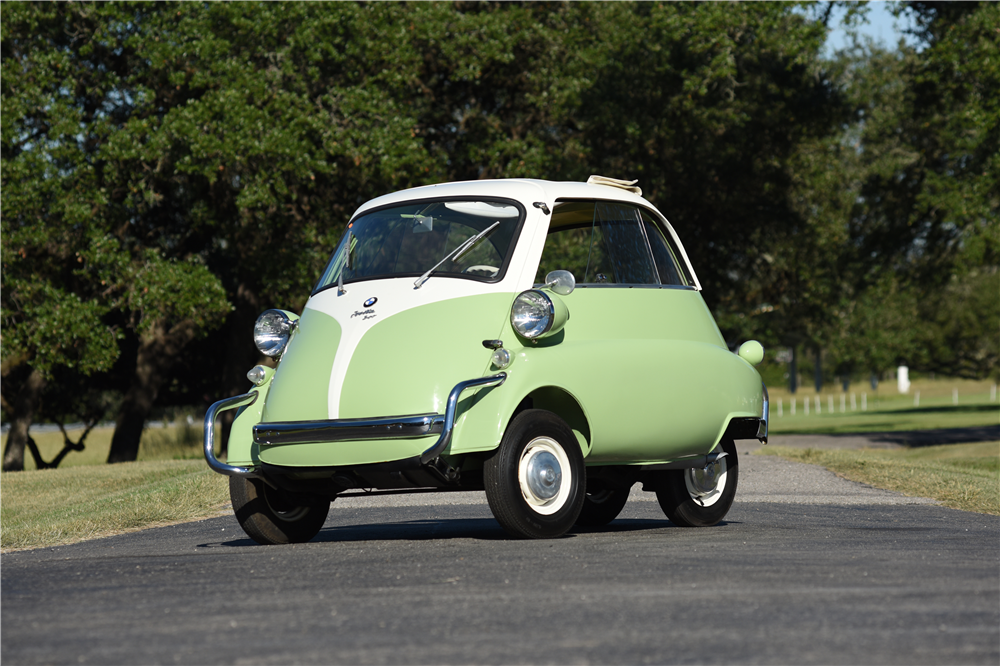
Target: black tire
{"points": [[697, 497], [271, 516], [535, 481], [602, 504]]}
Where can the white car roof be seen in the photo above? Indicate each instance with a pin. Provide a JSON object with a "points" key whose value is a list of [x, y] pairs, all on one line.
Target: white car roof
{"points": [[523, 189]]}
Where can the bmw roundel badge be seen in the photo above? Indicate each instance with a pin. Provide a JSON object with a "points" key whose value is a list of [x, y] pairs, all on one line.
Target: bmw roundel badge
{"points": [[370, 302]]}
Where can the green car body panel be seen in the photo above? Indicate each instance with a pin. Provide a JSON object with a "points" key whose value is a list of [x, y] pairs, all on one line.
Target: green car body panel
{"points": [[678, 350], [405, 364], [299, 387], [242, 450], [679, 353], [420, 354]]}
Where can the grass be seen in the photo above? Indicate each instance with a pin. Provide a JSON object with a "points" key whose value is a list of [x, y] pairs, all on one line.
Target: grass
{"points": [[59, 506], [886, 410], [178, 441], [961, 476], [86, 499]]}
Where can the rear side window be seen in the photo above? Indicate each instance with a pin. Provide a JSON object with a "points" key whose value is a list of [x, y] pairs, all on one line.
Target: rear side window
{"points": [[604, 243], [668, 265]]}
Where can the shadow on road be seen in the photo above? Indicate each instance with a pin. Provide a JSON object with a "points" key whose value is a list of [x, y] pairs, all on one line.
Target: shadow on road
{"points": [[881, 439], [917, 438], [479, 529]]}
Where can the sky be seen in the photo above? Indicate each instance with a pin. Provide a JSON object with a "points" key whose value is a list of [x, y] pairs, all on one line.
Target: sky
{"points": [[882, 27]]}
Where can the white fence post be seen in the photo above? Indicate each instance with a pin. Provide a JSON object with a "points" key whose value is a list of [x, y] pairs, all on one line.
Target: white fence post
{"points": [[903, 379]]}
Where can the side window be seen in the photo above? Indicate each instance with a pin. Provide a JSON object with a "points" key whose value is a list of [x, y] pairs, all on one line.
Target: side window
{"points": [[608, 243], [627, 247], [567, 248]]}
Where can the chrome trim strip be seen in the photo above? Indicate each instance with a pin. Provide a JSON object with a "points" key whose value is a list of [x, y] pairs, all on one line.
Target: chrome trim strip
{"points": [[595, 285], [210, 416], [764, 416], [393, 427], [301, 432]]}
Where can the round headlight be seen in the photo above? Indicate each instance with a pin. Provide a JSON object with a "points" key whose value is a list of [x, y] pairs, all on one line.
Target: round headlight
{"points": [[272, 332], [532, 314]]}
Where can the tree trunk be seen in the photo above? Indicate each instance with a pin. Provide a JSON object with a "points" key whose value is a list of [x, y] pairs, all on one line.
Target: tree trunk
{"points": [[24, 407], [159, 350], [818, 370], [793, 371]]}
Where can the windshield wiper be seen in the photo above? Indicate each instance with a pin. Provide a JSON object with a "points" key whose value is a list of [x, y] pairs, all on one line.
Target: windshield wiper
{"points": [[456, 253], [347, 264]]}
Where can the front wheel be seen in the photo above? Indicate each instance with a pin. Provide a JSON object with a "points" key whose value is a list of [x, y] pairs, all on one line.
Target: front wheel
{"points": [[700, 497], [535, 481], [271, 516]]}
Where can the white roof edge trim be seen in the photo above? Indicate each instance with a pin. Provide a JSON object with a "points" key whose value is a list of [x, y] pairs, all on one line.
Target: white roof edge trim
{"points": [[684, 254], [615, 182]]}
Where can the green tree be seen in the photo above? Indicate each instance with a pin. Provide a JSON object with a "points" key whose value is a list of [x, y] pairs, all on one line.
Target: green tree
{"points": [[707, 104], [77, 276], [900, 208], [924, 176]]}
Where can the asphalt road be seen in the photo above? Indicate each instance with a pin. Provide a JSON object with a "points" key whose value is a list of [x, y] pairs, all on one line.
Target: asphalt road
{"points": [[807, 569]]}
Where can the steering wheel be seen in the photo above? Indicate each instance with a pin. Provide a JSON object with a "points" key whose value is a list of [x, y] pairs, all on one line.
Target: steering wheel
{"points": [[492, 271]]}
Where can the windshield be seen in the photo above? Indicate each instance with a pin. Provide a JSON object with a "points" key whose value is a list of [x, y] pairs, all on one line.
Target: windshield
{"points": [[411, 239]]}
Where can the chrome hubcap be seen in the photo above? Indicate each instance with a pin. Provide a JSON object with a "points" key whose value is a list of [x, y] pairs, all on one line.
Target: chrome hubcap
{"points": [[544, 475], [705, 484]]}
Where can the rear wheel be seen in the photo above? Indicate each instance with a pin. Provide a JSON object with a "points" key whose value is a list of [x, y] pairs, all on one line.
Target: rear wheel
{"points": [[602, 504], [701, 496], [535, 481], [271, 516]]}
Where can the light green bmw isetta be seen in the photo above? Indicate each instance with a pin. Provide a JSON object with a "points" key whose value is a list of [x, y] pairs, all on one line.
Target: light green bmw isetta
{"points": [[545, 342]]}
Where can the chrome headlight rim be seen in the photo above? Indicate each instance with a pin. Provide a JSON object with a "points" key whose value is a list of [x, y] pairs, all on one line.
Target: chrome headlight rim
{"points": [[532, 324], [272, 331]]}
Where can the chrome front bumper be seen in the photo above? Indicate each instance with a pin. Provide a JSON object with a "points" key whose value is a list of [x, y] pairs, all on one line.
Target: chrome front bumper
{"points": [[339, 430], [210, 416], [302, 432]]}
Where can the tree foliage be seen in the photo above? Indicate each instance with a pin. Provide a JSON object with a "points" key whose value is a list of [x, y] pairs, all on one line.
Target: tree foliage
{"points": [[171, 169]]}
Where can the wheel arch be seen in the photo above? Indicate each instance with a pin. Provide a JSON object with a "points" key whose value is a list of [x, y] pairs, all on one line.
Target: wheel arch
{"points": [[482, 425], [563, 404]]}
